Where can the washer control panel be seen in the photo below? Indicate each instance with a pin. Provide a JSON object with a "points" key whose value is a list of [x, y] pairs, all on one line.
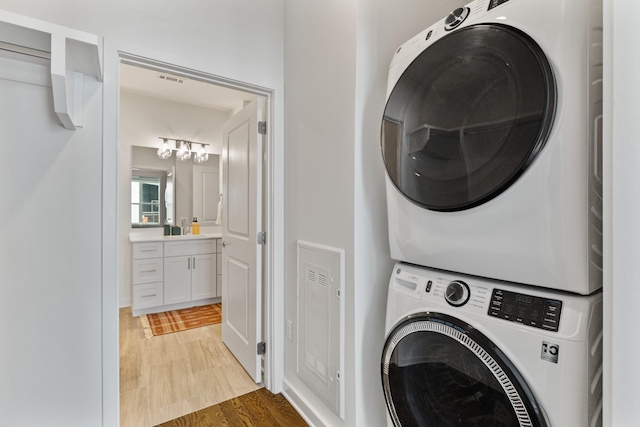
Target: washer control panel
{"points": [[542, 313], [457, 293]]}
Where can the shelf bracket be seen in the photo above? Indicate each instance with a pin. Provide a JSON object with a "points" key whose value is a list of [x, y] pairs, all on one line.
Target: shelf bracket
{"points": [[67, 86], [73, 54]]}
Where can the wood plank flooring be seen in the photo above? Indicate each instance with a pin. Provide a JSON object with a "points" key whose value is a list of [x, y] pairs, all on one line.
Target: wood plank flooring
{"points": [[260, 408], [168, 376]]}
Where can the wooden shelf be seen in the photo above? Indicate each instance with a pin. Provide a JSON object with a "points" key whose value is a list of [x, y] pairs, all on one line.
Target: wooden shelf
{"points": [[71, 54]]}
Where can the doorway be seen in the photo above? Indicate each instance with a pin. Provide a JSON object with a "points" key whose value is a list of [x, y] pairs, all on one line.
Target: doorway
{"points": [[171, 75]]}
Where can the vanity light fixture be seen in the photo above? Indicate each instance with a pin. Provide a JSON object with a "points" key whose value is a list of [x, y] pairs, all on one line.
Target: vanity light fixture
{"points": [[183, 150]]}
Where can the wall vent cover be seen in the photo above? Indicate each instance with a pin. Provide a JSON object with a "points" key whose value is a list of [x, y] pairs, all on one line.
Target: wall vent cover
{"points": [[169, 78], [320, 316]]}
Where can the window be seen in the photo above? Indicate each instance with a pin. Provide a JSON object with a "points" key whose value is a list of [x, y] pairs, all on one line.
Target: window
{"points": [[148, 198]]}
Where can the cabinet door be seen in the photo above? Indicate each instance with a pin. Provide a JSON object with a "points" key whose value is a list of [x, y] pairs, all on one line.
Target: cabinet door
{"points": [[203, 276], [177, 279]]}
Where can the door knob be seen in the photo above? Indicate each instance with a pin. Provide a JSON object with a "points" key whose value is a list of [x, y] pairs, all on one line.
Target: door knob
{"points": [[224, 244]]}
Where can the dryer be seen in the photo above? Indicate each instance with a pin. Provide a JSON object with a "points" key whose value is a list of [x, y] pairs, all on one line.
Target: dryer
{"points": [[492, 142], [474, 352]]}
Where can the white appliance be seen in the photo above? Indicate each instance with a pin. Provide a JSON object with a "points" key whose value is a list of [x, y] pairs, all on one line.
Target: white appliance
{"points": [[474, 352], [491, 138]]}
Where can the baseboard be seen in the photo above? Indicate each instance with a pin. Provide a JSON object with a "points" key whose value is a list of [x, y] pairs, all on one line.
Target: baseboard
{"points": [[125, 302], [301, 405]]}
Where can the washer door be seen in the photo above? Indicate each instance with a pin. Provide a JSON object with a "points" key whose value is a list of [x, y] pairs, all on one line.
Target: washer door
{"points": [[467, 117], [439, 371]]}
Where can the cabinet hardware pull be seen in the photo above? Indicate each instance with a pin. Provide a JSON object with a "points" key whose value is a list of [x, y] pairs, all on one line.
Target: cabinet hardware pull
{"points": [[148, 296], [189, 263], [194, 263], [147, 250], [147, 271]]}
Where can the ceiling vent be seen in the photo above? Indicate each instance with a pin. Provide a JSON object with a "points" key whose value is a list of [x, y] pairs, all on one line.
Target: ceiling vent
{"points": [[168, 78]]}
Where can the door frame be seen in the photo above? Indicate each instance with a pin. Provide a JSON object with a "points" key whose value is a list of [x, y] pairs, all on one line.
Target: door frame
{"points": [[115, 53]]}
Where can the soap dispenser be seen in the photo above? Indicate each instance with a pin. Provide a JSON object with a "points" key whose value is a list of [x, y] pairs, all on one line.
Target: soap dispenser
{"points": [[195, 227]]}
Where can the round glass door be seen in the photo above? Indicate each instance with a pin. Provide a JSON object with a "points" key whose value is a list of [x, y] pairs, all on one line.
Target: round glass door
{"points": [[440, 372], [467, 117]]}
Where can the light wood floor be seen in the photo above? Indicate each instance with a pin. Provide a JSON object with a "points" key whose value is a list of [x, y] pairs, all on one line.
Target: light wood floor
{"points": [[168, 376]]}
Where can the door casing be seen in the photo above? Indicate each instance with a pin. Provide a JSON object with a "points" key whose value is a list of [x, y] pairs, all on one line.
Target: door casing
{"points": [[115, 53]]}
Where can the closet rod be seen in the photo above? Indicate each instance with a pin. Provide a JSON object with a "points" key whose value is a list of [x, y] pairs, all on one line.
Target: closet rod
{"points": [[25, 50]]}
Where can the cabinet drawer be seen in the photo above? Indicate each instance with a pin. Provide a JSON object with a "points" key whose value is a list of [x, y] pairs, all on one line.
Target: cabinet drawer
{"points": [[147, 250], [147, 295], [192, 247], [147, 270]]}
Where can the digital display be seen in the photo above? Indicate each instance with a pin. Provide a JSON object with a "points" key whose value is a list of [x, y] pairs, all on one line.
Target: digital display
{"points": [[495, 3], [543, 313]]}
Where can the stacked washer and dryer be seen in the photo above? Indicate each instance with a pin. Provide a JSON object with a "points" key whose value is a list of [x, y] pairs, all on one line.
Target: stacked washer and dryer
{"points": [[492, 141]]}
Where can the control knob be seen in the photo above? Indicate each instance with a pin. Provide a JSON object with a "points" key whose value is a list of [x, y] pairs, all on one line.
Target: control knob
{"points": [[457, 293], [456, 18]]}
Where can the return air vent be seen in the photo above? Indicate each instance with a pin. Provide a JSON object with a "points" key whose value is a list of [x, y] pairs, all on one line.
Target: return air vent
{"points": [[320, 322], [169, 78]]}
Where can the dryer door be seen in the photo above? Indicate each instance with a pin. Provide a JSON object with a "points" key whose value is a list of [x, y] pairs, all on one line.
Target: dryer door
{"points": [[439, 371], [467, 117]]}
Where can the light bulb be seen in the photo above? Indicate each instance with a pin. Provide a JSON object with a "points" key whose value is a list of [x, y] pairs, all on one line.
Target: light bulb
{"points": [[201, 156], [164, 152], [183, 153]]}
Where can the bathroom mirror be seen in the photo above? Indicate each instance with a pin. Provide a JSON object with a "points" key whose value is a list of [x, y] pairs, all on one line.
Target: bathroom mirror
{"points": [[169, 189]]}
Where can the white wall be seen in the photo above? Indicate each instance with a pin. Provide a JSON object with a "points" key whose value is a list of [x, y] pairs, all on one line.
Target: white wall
{"points": [[622, 210], [337, 56], [320, 45], [52, 356], [142, 120], [240, 39], [50, 281]]}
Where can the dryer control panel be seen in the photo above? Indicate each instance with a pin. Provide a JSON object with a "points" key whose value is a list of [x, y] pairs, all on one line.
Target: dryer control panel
{"points": [[542, 313], [496, 3]]}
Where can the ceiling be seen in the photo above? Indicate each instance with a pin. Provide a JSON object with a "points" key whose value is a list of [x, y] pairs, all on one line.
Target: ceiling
{"points": [[161, 85]]}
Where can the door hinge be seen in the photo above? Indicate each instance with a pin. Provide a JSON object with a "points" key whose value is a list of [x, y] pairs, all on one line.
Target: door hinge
{"points": [[262, 128], [262, 348], [262, 238]]}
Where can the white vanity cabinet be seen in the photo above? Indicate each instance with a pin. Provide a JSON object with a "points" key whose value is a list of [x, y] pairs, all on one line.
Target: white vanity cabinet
{"points": [[189, 270], [169, 275]]}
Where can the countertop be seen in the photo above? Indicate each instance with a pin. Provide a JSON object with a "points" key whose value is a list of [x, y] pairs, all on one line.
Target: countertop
{"points": [[152, 238]]}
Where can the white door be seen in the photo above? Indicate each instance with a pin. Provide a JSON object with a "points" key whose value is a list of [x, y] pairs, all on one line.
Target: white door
{"points": [[206, 194], [241, 222]]}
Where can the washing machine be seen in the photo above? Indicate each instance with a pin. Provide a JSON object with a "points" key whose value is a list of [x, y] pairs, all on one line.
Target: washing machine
{"points": [[492, 143], [466, 351]]}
